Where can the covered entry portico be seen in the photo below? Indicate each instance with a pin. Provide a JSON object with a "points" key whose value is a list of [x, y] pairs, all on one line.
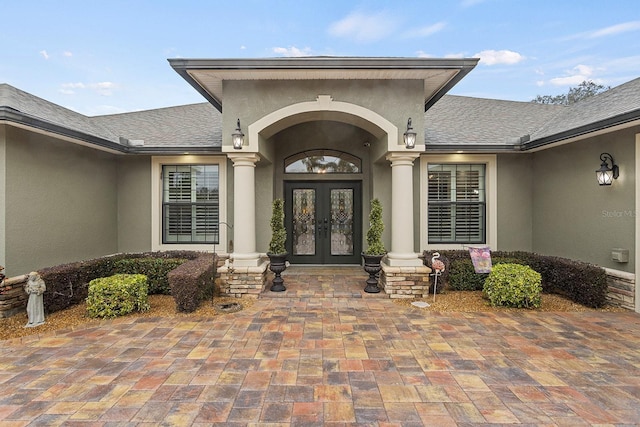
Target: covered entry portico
{"points": [[359, 106]]}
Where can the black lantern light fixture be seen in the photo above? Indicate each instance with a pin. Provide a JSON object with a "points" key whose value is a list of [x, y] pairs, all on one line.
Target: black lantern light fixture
{"points": [[606, 174], [409, 136], [238, 137]]}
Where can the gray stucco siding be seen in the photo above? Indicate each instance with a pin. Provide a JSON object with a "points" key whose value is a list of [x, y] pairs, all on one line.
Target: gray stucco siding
{"points": [[515, 213], [134, 203], [61, 202], [573, 216]]}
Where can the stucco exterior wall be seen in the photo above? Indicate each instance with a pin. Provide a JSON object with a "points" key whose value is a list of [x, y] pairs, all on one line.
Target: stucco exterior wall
{"points": [[573, 216], [515, 202], [61, 202], [134, 203], [3, 204], [395, 100]]}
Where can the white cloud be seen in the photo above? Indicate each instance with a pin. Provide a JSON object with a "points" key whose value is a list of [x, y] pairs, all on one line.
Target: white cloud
{"points": [[425, 31], [102, 88], [422, 54], [494, 57], [455, 55], [292, 51], [575, 76], [44, 54], [615, 29], [243, 47], [68, 54], [364, 28]]}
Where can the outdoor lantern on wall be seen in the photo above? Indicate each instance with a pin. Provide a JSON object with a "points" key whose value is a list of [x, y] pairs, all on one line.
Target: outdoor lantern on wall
{"points": [[606, 174], [238, 137], [409, 136]]}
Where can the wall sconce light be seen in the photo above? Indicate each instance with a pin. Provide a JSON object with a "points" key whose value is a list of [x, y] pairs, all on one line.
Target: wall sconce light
{"points": [[606, 174], [238, 137], [409, 136]]}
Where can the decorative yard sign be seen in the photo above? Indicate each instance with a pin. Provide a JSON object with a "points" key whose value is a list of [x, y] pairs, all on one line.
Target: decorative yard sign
{"points": [[481, 259]]}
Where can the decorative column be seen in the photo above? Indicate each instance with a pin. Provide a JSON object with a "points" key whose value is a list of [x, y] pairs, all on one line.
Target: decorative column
{"points": [[244, 209], [402, 253]]}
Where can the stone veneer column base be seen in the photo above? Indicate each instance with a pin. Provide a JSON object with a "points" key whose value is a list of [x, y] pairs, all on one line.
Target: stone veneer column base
{"points": [[622, 289], [242, 282], [405, 282]]}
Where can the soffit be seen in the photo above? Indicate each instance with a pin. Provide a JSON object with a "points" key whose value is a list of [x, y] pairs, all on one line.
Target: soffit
{"points": [[207, 76]]}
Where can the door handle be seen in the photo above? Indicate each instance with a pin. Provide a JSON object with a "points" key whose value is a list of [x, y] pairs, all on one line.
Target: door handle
{"points": [[326, 228]]}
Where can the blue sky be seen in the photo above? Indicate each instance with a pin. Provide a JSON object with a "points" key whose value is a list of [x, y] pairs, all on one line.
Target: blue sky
{"points": [[102, 57]]}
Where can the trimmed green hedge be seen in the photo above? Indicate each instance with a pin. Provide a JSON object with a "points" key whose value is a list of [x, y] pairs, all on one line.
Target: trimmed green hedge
{"points": [[117, 295], [156, 270], [67, 284], [581, 282]]}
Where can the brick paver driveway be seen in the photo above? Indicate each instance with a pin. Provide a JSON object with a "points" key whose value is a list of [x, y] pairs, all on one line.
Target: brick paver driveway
{"points": [[318, 361]]}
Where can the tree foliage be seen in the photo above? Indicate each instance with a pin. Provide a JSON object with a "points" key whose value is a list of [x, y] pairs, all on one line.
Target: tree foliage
{"points": [[584, 90]]}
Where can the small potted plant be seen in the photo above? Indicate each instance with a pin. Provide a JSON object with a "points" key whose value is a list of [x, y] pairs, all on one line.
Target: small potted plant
{"points": [[375, 248], [277, 251]]}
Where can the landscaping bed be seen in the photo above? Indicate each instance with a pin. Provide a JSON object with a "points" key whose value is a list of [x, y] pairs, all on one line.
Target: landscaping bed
{"points": [[472, 301], [76, 316]]}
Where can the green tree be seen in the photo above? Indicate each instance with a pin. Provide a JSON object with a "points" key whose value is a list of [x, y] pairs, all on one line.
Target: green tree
{"points": [[584, 90]]}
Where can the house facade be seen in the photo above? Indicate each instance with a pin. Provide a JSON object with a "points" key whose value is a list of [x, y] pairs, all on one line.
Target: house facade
{"points": [[327, 135]]}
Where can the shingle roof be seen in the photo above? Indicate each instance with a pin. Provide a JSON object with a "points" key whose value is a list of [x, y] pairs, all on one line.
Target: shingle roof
{"points": [[462, 120], [454, 121], [195, 125], [620, 100], [46, 111]]}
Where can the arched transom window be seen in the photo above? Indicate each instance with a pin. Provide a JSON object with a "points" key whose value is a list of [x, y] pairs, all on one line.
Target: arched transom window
{"points": [[322, 161]]}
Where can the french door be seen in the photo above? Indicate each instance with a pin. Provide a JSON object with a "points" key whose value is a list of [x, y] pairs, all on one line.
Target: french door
{"points": [[323, 221]]}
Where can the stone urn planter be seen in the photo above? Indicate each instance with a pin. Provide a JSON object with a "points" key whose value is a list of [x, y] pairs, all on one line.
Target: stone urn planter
{"points": [[372, 267], [277, 264]]}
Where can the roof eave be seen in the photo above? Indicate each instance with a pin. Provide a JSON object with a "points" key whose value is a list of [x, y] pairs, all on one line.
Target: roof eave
{"points": [[473, 148], [463, 65], [11, 115], [599, 125]]}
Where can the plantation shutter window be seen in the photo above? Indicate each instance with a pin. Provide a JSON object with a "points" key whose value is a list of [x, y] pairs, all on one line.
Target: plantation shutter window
{"points": [[456, 203], [190, 204]]}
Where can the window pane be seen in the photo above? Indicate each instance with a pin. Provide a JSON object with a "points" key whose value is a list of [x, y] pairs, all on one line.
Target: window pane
{"points": [[190, 203], [456, 208], [322, 161]]}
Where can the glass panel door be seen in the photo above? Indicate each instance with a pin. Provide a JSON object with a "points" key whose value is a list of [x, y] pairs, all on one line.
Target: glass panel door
{"points": [[324, 222]]}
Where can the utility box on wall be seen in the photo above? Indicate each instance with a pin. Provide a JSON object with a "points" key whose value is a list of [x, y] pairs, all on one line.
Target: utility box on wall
{"points": [[620, 255]]}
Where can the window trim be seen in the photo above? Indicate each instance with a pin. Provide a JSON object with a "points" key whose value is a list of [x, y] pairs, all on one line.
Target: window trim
{"points": [[491, 191], [156, 202]]}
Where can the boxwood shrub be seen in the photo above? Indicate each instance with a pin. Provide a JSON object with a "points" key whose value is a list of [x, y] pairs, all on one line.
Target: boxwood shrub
{"points": [[513, 285], [117, 295], [156, 270]]}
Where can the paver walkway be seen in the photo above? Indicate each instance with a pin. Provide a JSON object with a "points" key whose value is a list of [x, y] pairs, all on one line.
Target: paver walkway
{"points": [[308, 360]]}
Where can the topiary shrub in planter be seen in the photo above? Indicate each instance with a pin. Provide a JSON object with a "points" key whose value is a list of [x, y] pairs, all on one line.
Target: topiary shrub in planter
{"points": [[375, 247], [513, 285], [117, 295], [277, 246]]}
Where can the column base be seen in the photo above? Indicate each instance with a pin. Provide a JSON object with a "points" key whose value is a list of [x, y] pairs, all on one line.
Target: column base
{"points": [[395, 259], [246, 260], [405, 282], [242, 282]]}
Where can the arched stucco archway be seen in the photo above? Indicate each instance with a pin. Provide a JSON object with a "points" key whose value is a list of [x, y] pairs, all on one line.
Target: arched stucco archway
{"points": [[323, 108]]}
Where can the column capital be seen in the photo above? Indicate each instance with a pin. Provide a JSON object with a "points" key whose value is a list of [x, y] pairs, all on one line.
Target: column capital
{"points": [[402, 158], [244, 159]]}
